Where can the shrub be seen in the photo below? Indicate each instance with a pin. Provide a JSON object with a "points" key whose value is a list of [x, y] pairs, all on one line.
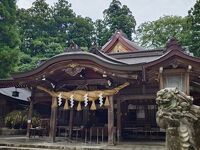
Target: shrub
{"points": [[18, 119]]}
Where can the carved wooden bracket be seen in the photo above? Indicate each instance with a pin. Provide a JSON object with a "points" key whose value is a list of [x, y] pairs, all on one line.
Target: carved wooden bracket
{"points": [[73, 69]]}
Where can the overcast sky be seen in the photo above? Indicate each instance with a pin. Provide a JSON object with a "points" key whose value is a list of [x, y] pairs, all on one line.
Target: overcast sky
{"points": [[143, 10]]}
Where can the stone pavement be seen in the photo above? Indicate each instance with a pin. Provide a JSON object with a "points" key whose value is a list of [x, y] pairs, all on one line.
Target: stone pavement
{"points": [[24, 143]]}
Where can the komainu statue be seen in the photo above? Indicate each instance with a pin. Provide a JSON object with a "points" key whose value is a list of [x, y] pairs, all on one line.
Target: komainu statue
{"points": [[180, 118]]}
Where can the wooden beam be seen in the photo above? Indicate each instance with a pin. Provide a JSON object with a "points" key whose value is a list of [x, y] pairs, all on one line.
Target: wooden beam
{"points": [[111, 122], [53, 121], [173, 71], [123, 97], [83, 81], [136, 97]]}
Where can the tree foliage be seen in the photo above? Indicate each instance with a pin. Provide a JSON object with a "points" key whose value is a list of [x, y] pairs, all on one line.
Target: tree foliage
{"points": [[102, 33], [9, 38], [36, 28], [45, 31], [63, 17], [116, 17], [194, 19], [119, 17], [155, 34], [81, 31], [37, 33]]}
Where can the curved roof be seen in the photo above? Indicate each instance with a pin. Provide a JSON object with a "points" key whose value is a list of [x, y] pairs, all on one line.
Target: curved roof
{"points": [[105, 61], [121, 65]]}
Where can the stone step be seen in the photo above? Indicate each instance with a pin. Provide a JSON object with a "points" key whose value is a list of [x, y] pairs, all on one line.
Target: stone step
{"points": [[39, 147], [83, 148], [22, 148], [66, 148], [9, 143], [29, 146]]}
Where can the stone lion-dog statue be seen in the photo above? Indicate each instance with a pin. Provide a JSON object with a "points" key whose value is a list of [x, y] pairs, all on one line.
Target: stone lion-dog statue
{"points": [[180, 118]]}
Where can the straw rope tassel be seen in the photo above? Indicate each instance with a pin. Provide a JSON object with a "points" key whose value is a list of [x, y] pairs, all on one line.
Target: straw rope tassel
{"points": [[54, 102], [107, 103], [93, 106], [79, 106], [66, 106]]}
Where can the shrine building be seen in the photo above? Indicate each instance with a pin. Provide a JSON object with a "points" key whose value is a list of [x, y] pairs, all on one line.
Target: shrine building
{"points": [[107, 93]]}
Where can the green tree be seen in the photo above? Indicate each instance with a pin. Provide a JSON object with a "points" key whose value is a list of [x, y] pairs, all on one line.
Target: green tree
{"points": [[38, 35], [194, 19], [9, 39], [27, 63], [45, 31], [119, 17], [81, 31], [63, 18], [155, 34], [101, 32], [69, 27], [25, 30], [41, 19], [36, 26]]}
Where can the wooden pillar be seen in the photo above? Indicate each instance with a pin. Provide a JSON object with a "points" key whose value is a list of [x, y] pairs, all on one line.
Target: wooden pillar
{"points": [[161, 81], [187, 80], [3, 111], [85, 115], [111, 122], [71, 119], [143, 88], [53, 120], [119, 125], [30, 111], [30, 114]]}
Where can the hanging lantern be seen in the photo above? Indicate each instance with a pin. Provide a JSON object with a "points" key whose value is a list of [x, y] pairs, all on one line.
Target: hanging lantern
{"points": [[107, 103], [93, 106], [79, 107], [66, 106]]}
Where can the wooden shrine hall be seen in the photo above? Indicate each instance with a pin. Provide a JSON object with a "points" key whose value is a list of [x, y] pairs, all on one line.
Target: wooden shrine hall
{"points": [[109, 91]]}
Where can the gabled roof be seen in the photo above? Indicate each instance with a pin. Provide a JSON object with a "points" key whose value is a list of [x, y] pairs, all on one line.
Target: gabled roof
{"points": [[120, 37]]}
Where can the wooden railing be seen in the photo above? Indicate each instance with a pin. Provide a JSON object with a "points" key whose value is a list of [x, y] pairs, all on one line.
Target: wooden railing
{"points": [[89, 135]]}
